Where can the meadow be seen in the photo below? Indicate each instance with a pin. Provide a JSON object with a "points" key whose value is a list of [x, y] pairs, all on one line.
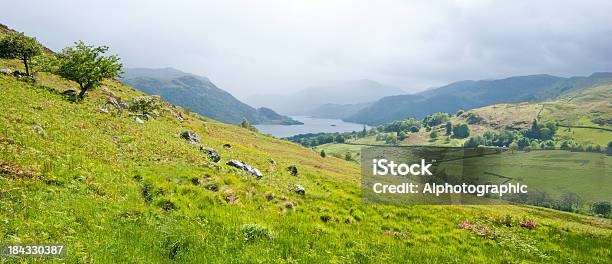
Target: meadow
{"points": [[116, 191]]}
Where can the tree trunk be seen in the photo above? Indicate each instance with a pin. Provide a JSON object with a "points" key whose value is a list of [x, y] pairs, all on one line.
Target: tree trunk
{"points": [[25, 62], [82, 93]]}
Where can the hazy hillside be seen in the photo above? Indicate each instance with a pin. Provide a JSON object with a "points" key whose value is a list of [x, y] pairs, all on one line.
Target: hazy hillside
{"points": [[305, 102], [336, 111], [472, 94], [200, 95]]}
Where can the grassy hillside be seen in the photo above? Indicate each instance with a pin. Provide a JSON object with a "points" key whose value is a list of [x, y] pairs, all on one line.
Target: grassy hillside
{"points": [[116, 191]]}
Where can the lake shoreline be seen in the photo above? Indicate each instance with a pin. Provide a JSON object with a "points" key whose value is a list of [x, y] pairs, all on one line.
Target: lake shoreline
{"points": [[311, 125]]}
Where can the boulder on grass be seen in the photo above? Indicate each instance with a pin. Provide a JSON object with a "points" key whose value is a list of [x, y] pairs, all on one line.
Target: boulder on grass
{"points": [[299, 189], [6, 71], [292, 170], [245, 167], [190, 136], [212, 153]]}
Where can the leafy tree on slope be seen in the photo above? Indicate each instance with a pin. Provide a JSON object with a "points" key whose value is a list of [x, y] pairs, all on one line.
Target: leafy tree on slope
{"points": [[15, 45]]}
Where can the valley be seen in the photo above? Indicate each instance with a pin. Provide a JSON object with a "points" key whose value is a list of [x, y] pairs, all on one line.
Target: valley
{"points": [[119, 175]]}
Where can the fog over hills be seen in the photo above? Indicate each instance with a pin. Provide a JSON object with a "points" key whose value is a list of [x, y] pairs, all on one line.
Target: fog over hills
{"points": [[311, 98]]}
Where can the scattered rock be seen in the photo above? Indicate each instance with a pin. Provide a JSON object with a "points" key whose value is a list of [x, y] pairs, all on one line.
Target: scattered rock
{"points": [[212, 153], [283, 198], [196, 181], [166, 205], [38, 129], [292, 170], [106, 91], [227, 146], [213, 187], [245, 167], [7, 141], [289, 205], [124, 105], [325, 218], [269, 196], [213, 165], [14, 170], [465, 224], [18, 73], [178, 116], [69, 93], [6, 71], [230, 196], [138, 120], [529, 224], [191, 136], [271, 160], [112, 101], [299, 189], [104, 110], [23, 76]]}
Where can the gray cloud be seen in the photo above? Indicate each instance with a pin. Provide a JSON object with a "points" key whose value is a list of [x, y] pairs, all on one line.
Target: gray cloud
{"points": [[249, 47]]}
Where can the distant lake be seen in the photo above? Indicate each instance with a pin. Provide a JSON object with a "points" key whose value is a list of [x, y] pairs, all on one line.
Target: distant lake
{"points": [[311, 125]]}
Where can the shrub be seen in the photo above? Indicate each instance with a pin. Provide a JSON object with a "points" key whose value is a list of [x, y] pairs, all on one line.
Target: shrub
{"points": [[461, 131], [449, 128], [433, 134], [602, 207], [146, 105], [391, 139], [252, 232], [473, 118], [570, 202], [436, 119], [245, 124], [474, 142], [402, 135], [348, 156]]}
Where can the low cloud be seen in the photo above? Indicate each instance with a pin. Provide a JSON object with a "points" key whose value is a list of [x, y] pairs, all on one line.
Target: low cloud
{"points": [[249, 47]]}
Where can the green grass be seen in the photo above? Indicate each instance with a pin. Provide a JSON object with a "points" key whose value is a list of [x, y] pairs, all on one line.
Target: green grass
{"points": [[554, 172], [115, 191]]}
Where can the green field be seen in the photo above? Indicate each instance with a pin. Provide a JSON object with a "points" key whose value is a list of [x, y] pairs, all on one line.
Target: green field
{"points": [[115, 191], [555, 172]]}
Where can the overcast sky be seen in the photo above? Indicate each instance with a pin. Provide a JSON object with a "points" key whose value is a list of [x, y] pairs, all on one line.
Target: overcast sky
{"points": [[249, 47]]}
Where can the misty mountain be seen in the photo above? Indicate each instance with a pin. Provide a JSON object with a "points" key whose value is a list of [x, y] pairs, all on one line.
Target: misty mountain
{"points": [[200, 95], [472, 94], [337, 111], [305, 101]]}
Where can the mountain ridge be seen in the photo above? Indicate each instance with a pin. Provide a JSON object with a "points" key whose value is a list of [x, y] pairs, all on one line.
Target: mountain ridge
{"points": [[199, 94], [469, 94]]}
